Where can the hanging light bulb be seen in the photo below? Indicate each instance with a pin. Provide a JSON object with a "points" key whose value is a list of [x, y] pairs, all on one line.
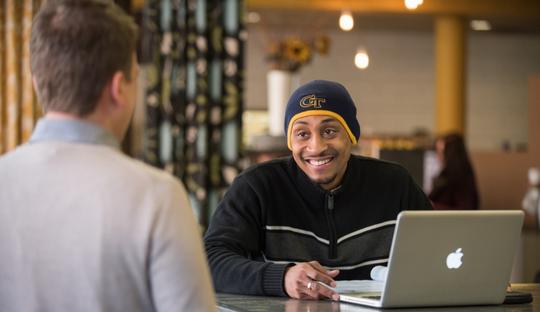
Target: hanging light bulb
{"points": [[346, 21], [413, 4], [480, 25], [361, 59]]}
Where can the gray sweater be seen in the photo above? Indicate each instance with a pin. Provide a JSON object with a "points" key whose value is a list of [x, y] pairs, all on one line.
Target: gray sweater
{"points": [[85, 228]]}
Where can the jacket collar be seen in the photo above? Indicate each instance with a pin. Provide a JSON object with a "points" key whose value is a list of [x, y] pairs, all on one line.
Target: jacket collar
{"points": [[306, 185]]}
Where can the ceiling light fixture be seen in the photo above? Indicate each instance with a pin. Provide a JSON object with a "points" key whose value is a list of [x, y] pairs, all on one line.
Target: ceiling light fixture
{"points": [[413, 4], [346, 21], [480, 25], [361, 59]]}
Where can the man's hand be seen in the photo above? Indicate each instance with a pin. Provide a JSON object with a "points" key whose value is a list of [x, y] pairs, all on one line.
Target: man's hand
{"points": [[301, 281]]}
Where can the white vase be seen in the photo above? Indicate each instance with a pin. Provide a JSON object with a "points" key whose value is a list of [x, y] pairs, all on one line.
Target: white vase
{"points": [[280, 86]]}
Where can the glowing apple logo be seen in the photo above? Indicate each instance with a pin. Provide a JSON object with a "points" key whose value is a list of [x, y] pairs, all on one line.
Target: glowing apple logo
{"points": [[453, 261]]}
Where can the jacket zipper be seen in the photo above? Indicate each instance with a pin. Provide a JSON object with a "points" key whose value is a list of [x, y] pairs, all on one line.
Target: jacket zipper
{"points": [[332, 253]]}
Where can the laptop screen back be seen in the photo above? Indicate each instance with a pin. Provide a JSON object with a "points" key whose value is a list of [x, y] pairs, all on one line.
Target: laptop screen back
{"points": [[443, 258]]}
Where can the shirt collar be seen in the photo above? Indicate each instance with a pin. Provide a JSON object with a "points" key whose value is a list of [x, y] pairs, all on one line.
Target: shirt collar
{"points": [[72, 130]]}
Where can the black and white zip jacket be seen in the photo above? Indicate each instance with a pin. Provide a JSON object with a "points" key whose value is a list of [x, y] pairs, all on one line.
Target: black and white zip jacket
{"points": [[273, 215]]}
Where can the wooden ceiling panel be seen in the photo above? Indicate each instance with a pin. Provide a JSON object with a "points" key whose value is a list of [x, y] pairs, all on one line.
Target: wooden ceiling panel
{"points": [[459, 7], [518, 16]]}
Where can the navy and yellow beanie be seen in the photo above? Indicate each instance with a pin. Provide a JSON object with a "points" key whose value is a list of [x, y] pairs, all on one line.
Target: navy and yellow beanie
{"points": [[322, 97]]}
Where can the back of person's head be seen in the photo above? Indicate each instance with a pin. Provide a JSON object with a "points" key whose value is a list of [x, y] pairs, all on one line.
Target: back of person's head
{"points": [[456, 158], [76, 47]]}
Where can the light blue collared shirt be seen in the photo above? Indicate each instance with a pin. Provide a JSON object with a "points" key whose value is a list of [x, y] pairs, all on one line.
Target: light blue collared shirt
{"points": [[72, 130]]}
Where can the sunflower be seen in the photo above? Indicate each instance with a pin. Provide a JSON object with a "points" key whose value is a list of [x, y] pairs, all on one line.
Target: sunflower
{"points": [[321, 44], [292, 53], [297, 51]]}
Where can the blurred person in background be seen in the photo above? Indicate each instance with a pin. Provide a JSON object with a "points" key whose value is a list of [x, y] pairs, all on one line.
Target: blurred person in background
{"points": [[531, 201], [531, 205], [82, 226], [454, 188]]}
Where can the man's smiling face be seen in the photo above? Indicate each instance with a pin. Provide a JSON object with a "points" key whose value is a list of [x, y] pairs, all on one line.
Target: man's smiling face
{"points": [[321, 147]]}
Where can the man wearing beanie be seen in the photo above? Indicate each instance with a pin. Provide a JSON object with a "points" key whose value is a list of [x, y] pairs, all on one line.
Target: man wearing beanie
{"points": [[320, 215]]}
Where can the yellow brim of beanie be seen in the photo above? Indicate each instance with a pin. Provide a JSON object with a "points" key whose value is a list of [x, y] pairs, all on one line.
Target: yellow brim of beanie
{"points": [[317, 112]]}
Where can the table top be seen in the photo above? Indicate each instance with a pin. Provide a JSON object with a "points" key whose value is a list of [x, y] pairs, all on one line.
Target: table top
{"points": [[229, 302]]}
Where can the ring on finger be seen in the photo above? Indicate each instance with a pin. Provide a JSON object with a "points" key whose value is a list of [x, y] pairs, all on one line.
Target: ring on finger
{"points": [[310, 285]]}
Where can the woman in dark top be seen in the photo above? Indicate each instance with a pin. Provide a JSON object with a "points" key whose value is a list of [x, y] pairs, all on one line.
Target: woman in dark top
{"points": [[455, 186]]}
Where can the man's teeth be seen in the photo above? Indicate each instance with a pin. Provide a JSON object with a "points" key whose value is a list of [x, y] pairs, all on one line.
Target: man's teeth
{"points": [[319, 162]]}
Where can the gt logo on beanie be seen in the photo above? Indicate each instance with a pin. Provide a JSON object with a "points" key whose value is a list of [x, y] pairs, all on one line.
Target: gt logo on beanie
{"points": [[326, 98], [311, 100]]}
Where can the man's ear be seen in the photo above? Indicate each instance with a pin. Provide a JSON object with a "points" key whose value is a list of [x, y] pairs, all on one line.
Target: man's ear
{"points": [[117, 90], [34, 83]]}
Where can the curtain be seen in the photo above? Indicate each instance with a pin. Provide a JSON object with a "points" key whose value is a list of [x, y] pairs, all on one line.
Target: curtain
{"points": [[18, 105], [194, 84]]}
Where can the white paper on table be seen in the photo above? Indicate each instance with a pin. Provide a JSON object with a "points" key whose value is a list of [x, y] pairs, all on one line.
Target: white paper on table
{"points": [[355, 286]]}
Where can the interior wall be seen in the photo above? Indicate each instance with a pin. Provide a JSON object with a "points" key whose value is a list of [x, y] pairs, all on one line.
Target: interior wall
{"points": [[396, 93], [502, 176], [498, 69], [502, 181]]}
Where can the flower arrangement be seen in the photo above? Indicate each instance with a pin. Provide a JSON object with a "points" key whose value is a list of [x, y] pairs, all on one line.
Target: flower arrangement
{"points": [[292, 53]]}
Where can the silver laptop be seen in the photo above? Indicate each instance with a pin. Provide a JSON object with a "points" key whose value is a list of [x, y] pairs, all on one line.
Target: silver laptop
{"points": [[448, 258]]}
